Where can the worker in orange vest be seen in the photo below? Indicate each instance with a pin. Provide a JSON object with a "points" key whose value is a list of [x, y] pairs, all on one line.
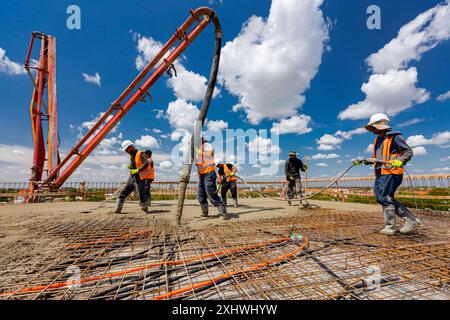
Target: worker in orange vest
{"points": [[207, 188], [151, 163], [140, 172], [391, 153], [227, 180]]}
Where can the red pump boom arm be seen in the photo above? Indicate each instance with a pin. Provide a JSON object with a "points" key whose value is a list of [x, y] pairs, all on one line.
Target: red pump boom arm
{"points": [[120, 107]]}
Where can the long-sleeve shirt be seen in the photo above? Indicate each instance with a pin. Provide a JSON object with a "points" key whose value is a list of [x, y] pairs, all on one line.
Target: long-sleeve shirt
{"points": [[398, 145], [292, 168], [144, 160]]}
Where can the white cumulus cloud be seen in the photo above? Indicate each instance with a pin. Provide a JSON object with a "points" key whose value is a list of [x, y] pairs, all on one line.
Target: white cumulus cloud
{"points": [[94, 79], [419, 151], [182, 114], [217, 125], [438, 139], [186, 85], [270, 64], [444, 96], [325, 156], [392, 88], [8, 66], [296, 124], [390, 93], [147, 141]]}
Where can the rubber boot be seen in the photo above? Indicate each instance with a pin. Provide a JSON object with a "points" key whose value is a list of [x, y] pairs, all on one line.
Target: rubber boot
{"points": [[204, 207], [389, 219], [223, 212], [403, 212], [289, 203], [411, 222], [119, 205], [145, 205], [235, 202]]}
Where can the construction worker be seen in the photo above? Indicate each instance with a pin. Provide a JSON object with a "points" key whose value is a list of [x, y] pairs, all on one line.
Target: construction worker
{"points": [[140, 171], [227, 181], [148, 182], [391, 153], [207, 188], [292, 170]]}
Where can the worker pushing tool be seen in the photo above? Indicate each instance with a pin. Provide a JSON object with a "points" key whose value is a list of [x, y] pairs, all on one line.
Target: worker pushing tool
{"points": [[292, 170], [140, 174], [391, 153], [227, 181], [207, 189]]}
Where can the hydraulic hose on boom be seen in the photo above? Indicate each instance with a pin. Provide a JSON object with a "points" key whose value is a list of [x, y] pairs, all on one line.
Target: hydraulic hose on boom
{"points": [[133, 94]]}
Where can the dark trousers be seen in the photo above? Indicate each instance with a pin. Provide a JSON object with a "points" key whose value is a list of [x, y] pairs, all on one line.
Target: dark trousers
{"points": [[294, 186], [207, 189], [143, 190], [232, 186], [385, 187]]}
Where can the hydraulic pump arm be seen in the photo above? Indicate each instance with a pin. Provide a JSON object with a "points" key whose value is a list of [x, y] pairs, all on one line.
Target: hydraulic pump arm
{"points": [[120, 107]]}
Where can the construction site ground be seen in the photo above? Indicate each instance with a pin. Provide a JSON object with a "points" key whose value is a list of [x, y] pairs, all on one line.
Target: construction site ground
{"points": [[268, 250]]}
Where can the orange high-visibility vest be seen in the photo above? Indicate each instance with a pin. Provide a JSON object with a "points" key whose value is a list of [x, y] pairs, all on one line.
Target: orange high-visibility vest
{"points": [[205, 161], [384, 153], [227, 172], [147, 173]]}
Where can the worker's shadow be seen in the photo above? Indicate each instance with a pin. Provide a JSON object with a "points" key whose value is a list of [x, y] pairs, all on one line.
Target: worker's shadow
{"points": [[256, 209], [157, 211]]}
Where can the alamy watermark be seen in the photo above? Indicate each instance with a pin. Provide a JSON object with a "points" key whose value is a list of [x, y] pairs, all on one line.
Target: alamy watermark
{"points": [[73, 21], [374, 20]]}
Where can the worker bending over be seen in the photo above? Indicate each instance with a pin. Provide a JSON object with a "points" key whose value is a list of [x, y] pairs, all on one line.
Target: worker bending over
{"points": [[148, 184], [227, 181], [207, 189], [391, 153], [140, 173], [292, 170]]}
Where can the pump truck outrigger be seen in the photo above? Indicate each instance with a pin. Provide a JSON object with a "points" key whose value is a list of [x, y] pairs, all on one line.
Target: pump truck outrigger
{"points": [[58, 171]]}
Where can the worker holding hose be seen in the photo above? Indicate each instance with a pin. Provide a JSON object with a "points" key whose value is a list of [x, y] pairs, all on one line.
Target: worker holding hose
{"points": [[292, 169], [207, 189], [140, 172], [391, 153], [227, 180]]}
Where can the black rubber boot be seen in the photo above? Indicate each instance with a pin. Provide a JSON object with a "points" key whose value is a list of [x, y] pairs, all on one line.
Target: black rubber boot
{"points": [[119, 205]]}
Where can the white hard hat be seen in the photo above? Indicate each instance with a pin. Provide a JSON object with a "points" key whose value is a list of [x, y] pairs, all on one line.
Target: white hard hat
{"points": [[378, 117], [379, 121], [126, 144]]}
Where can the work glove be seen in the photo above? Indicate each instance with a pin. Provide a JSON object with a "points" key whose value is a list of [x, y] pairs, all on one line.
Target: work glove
{"points": [[305, 167], [232, 174], [357, 162], [130, 167], [291, 178], [397, 163], [134, 171]]}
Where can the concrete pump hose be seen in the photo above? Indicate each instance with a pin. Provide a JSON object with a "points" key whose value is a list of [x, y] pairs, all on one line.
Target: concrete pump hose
{"points": [[304, 198], [186, 173]]}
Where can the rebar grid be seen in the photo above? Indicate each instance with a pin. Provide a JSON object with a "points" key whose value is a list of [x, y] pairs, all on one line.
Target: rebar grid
{"points": [[346, 258]]}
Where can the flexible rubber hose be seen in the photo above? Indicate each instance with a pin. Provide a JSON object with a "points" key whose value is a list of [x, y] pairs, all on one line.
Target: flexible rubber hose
{"points": [[186, 173], [304, 198]]}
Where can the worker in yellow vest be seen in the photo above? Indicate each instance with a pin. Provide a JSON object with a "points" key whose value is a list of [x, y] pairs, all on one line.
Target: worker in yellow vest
{"points": [[140, 172], [207, 188], [151, 163], [227, 180], [391, 153]]}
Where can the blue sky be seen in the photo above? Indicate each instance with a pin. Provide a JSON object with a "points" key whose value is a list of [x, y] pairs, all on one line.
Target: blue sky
{"points": [[297, 65]]}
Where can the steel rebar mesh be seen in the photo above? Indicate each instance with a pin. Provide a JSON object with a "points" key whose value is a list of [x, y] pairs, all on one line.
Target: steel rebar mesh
{"points": [[151, 258]]}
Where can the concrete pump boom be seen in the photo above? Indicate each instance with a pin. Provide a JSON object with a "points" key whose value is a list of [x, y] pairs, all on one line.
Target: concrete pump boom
{"points": [[132, 94]]}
